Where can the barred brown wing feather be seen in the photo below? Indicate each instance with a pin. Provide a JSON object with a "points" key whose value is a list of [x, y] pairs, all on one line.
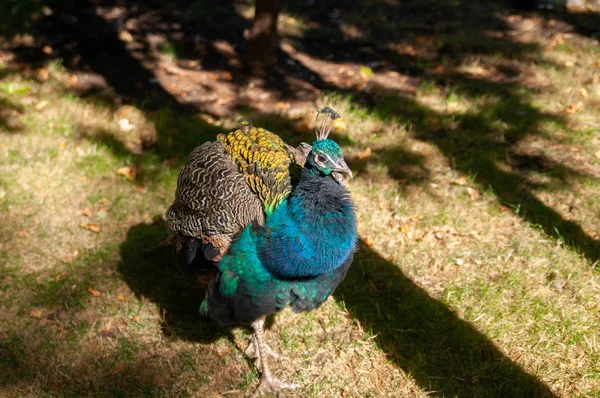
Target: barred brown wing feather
{"points": [[212, 201]]}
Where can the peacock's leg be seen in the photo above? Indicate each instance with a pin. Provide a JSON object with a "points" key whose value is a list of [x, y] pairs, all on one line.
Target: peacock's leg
{"points": [[268, 383], [252, 351]]}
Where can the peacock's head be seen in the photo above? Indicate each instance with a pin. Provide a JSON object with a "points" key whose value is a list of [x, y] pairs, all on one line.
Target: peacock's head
{"points": [[326, 157]]}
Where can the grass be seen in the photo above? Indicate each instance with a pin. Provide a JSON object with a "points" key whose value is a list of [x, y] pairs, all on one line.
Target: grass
{"points": [[477, 193]]}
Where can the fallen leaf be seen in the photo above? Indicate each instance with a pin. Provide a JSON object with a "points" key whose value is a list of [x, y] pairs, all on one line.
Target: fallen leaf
{"points": [[365, 73], [105, 201], [222, 351], [43, 75], [36, 313], [41, 105], [473, 193], [58, 276], [407, 229], [597, 154], [364, 154], [139, 188], [460, 181], [69, 257], [62, 146], [125, 36], [583, 92], [118, 369], [125, 125], [121, 298], [136, 318], [94, 292], [369, 241], [87, 212], [90, 226], [127, 171], [573, 108]]}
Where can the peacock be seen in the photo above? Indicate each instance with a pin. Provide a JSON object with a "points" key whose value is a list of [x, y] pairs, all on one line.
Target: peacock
{"points": [[271, 225]]}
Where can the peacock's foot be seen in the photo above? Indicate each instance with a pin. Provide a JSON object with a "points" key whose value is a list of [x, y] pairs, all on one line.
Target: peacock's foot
{"points": [[252, 351], [273, 385]]}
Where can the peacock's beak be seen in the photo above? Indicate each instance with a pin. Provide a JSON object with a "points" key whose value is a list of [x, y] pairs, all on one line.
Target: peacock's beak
{"points": [[342, 167]]}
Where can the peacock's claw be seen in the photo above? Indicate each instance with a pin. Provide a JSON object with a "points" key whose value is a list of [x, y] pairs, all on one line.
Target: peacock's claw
{"points": [[261, 351], [273, 385]]}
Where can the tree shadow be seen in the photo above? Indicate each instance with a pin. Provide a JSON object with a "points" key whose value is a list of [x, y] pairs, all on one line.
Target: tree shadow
{"points": [[472, 145], [443, 353], [583, 21]]}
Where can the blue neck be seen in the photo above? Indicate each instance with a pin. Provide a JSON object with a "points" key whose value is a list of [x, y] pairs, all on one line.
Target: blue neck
{"points": [[312, 232]]}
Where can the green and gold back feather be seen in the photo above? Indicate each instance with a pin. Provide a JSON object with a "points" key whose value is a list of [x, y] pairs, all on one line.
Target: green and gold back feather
{"points": [[264, 159]]}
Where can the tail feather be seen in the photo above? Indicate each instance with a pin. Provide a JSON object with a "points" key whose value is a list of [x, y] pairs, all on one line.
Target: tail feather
{"points": [[195, 257]]}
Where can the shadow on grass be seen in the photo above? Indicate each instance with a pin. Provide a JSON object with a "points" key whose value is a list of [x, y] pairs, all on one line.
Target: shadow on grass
{"points": [[421, 335], [114, 374], [443, 353], [148, 267], [472, 143]]}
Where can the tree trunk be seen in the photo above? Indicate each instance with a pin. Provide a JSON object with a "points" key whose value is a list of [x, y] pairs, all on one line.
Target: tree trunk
{"points": [[263, 39]]}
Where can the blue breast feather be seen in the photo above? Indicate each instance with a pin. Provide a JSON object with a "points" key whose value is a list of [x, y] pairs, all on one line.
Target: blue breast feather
{"points": [[297, 258]]}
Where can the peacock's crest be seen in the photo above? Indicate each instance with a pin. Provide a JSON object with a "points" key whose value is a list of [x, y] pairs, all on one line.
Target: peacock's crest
{"points": [[325, 116]]}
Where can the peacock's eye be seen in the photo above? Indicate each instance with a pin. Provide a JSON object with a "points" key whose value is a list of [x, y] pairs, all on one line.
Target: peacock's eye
{"points": [[320, 159]]}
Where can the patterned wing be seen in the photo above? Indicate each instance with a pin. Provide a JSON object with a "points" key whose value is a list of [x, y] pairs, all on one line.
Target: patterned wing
{"points": [[264, 160], [213, 202]]}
